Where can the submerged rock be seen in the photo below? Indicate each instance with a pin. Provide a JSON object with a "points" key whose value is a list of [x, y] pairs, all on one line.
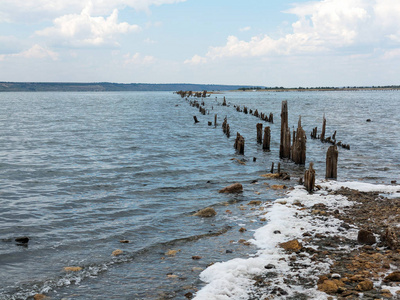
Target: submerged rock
{"points": [[395, 276], [22, 240], [206, 213], [117, 252], [40, 297], [365, 285], [233, 188], [72, 269]]}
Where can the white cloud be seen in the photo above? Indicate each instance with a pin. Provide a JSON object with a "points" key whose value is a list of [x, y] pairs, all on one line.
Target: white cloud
{"points": [[83, 29], [138, 59], [322, 27], [247, 28], [33, 10], [149, 41], [36, 51], [196, 60]]}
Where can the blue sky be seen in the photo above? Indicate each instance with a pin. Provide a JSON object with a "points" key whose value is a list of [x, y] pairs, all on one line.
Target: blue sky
{"points": [[270, 43]]}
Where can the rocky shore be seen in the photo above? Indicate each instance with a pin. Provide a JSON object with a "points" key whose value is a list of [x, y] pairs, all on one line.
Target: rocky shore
{"points": [[361, 259]]}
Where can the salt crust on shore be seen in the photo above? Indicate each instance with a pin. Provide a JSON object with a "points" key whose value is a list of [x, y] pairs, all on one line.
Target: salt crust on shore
{"points": [[234, 279]]}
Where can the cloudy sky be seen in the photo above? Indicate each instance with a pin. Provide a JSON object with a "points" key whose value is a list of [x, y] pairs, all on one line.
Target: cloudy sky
{"points": [[255, 42]]}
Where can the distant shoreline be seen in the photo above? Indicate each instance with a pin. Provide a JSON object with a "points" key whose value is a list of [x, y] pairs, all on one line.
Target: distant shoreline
{"points": [[166, 87]]}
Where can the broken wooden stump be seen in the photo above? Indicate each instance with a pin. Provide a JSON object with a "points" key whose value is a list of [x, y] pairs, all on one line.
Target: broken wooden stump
{"points": [[309, 178], [195, 119], [299, 145], [314, 133], [331, 162], [259, 133], [267, 139], [215, 120], [323, 129], [271, 118], [256, 113], [224, 102], [245, 110], [284, 150], [272, 168], [239, 144]]}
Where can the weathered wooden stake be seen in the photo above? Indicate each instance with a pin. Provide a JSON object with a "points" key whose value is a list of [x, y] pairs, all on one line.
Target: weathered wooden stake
{"points": [[239, 144], [272, 168], [259, 133], [284, 150], [215, 120], [323, 129], [331, 162], [309, 178], [195, 119], [279, 168], [267, 139], [271, 118], [299, 145]]}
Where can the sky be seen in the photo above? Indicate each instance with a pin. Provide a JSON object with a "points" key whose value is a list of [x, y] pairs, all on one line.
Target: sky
{"points": [[253, 42]]}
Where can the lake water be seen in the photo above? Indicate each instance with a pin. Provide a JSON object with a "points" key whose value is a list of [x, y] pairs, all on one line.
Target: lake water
{"points": [[81, 171]]}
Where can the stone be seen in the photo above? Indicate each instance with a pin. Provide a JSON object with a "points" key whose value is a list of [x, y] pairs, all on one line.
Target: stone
{"points": [[22, 240], [328, 286], [391, 238], [40, 297], [366, 237], [233, 188], [172, 276], [271, 175], [117, 252], [254, 202], [124, 241], [242, 229], [278, 187], [395, 276], [365, 285], [172, 252], [269, 266], [196, 257], [72, 269], [206, 213], [291, 246]]}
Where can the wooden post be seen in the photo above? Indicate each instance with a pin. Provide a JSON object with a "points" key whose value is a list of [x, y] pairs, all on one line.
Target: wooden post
{"points": [[245, 110], [331, 162], [299, 145], [239, 143], [309, 178], [259, 133], [224, 103], [271, 118], [228, 131], [195, 119], [284, 150], [267, 139], [279, 168], [272, 168], [323, 129], [215, 120]]}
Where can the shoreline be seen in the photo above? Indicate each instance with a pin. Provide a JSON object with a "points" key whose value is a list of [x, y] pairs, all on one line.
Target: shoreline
{"points": [[310, 248]]}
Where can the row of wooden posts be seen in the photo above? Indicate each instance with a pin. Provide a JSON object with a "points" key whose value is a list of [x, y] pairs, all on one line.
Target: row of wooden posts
{"points": [[293, 149], [184, 94], [329, 139]]}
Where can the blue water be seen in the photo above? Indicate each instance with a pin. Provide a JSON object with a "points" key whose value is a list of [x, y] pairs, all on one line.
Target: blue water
{"points": [[81, 171]]}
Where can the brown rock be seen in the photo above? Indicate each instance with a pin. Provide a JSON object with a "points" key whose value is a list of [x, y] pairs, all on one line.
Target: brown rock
{"points": [[328, 286], [40, 297], [395, 276], [278, 187], [242, 229], [124, 241], [365, 285], [271, 175], [206, 212], [172, 252], [72, 269], [366, 237], [117, 252], [196, 257], [391, 238], [254, 202], [233, 188], [291, 246]]}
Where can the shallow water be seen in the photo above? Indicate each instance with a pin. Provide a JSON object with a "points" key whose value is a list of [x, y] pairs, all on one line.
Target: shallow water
{"points": [[81, 171]]}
